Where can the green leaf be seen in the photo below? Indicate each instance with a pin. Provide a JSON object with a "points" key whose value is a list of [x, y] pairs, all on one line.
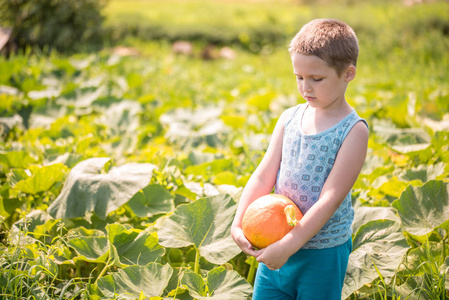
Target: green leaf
{"points": [[16, 159], [424, 208], [7, 205], [90, 188], [378, 244], [364, 214], [195, 283], [424, 172], [214, 167], [121, 118], [227, 284], [123, 245], [392, 187], [130, 282], [205, 223], [90, 244], [42, 179], [187, 126], [425, 259], [152, 200], [411, 288], [226, 177], [133, 246], [220, 284], [16, 175]]}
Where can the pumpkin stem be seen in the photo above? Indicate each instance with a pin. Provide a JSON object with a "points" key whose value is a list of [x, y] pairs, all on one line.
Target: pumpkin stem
{"points": [[289, 212]]}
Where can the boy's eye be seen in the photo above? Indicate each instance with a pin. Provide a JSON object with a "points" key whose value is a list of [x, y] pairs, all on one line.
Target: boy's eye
{"points": [[317, 79]]}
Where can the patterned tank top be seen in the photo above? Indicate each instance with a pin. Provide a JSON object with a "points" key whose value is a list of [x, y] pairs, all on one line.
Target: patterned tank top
{"points": [[306, 163]]}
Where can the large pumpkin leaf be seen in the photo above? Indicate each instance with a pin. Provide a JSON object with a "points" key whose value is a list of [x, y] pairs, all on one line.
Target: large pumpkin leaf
{"points": [[152, 200], [89, 244], [91, 188], [378, 244], [191, 127], [42, 179], [220, 284], [425, 172], [133, 281], [364, 214], [31, 227], [424, 259], [411, 288], [121, 117], [424, 208], [122, 245], [16, 159], [133, 246], [205, 223]]}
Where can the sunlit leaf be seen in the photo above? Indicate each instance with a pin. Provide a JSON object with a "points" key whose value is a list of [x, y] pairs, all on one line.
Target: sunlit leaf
{"points": [[8, 205], [152, 200], [133, 246], [220, 284], [205, 223], [91, 188], [82, 97], [31, 227], [92, 248], [42, 179], [424, 208], [365, 214], [424, 259], [121, 117], [400, 137], [225, 177], [377, 244], [191, 127], [131, 281], [16, 159], [412, 285], [424, 172]]}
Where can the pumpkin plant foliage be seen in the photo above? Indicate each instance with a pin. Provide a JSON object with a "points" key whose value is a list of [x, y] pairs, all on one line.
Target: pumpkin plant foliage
{"points": [[122, 245], [133, 281], [206, 224], [93, 185], [423, 209], [219, 284]]}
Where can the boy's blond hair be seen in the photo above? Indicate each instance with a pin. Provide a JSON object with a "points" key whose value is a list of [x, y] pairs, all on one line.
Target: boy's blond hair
{"points": [[331, 40]]}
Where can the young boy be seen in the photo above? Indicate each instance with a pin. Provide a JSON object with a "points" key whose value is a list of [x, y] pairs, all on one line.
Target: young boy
{"points": [[314, 157]]}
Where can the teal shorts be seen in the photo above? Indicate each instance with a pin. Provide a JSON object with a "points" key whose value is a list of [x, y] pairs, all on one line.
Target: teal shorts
{"points": [[308, 274]]}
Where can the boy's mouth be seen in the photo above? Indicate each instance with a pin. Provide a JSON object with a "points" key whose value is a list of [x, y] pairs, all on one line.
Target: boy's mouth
{"points": [[309, 98]]}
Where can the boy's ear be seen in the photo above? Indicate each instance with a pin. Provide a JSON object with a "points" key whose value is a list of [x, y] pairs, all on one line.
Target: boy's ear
{"points": [[350, 73]]}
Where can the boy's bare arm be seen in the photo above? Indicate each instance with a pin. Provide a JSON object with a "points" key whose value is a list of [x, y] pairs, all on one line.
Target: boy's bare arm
{"points": [[261, 183], [345, 171]]}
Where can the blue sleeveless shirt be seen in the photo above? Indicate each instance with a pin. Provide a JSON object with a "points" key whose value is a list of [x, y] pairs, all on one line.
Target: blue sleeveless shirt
{"points": [[306, 163]]}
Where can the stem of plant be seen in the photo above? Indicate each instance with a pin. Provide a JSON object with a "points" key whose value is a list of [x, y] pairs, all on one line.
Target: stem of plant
{"points": [[197, 261], [106, 266], [252, 269], [444, 247]]}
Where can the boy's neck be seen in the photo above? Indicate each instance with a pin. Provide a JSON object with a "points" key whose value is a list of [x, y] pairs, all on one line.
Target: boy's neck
{"points": [[316, 120]]}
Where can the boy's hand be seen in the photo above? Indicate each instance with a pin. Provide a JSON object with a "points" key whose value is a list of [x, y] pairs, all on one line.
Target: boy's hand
{"points": [[273, 256], [243, 243]]}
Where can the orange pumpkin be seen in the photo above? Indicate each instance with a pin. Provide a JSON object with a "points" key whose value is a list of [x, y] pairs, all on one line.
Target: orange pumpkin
{"points": [[269, 218]]}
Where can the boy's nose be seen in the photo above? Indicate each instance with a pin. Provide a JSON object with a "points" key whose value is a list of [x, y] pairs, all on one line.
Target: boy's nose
{"points": [[306, 87]]}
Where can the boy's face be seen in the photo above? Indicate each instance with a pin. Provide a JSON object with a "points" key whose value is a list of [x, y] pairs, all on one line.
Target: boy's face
{"points": [[318, 83]]}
